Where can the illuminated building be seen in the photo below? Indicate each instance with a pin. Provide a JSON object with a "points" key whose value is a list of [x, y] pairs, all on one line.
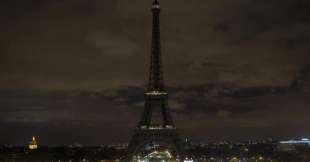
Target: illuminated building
{"points": [[188, 160], [33, 144], [155, 156], [291, 145], [303, 141]]}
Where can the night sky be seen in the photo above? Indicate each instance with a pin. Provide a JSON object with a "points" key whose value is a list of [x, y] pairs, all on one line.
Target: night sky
{"points": [[75, 70]]}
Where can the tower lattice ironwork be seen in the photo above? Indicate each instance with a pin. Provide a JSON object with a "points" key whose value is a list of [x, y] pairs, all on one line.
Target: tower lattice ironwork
{"points": [[156, 124]]}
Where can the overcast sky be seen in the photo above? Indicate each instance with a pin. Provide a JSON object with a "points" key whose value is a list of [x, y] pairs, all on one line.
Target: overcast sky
{"points": [[75, 70]]}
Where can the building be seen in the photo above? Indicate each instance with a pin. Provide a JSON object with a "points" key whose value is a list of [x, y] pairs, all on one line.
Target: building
{"points": [[291, 145], [33, 144], [155, 135]]}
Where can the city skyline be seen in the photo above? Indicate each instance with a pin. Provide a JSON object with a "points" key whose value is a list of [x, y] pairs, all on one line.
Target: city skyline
{"points": [[75, 71]]}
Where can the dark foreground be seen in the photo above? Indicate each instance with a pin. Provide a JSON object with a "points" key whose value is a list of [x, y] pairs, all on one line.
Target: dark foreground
{"points": [[223, 152]]}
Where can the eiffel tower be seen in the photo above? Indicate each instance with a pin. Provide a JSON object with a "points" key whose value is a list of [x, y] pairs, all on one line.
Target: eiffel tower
{"points": [[156, 124]]}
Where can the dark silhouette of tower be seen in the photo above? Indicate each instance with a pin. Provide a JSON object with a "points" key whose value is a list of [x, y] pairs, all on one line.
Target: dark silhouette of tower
{"points": [[156, 125]]}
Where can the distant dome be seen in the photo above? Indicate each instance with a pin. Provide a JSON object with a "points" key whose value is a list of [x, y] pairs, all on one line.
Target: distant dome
{"points": [[33, 144]]}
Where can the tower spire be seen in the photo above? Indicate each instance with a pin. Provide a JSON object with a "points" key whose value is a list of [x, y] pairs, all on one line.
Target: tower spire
{"points": [[156, 82]]}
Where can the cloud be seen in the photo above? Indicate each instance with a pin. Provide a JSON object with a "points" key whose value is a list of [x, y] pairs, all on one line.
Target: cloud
{"points": [[112, 45], [175, 105], [105, 44], [223, 113], [230, 66], [192, 109]]}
